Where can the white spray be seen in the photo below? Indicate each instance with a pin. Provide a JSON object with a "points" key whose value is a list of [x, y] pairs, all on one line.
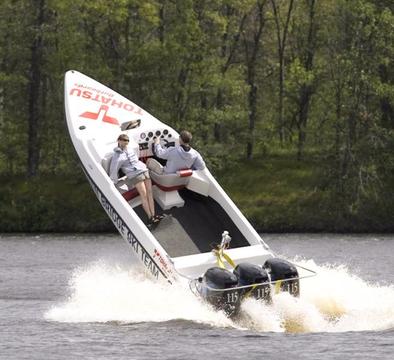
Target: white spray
{"points": [[333, 301]]}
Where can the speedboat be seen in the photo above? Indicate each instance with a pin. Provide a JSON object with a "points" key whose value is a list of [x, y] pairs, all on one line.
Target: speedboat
{"points": [[204, 241]]}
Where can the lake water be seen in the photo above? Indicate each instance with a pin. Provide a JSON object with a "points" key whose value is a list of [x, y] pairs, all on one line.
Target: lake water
{"points": [[82, 297]]}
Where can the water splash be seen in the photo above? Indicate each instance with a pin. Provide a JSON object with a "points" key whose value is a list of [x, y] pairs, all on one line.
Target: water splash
{"points": [[333, 301], [104, 293]]}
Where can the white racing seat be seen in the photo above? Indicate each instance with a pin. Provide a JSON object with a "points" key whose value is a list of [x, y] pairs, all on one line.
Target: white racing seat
{"points": [[167, 185], [169, 182]]}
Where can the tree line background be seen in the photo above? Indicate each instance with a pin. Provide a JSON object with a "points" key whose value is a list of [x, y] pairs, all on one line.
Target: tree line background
{"points": [[291, 103]]}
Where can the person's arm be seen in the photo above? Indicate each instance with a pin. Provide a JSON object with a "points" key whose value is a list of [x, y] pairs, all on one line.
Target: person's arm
{"points": [[160, 152], [133, 158], [199, 163], [114, 168]]}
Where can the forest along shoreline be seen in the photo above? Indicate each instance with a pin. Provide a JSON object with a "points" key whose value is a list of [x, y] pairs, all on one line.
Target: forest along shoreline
{"points": [[282, 196], [291, 104]]}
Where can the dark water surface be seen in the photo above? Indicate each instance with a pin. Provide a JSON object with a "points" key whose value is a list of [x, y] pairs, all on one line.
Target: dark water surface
{"points": [[80, 297]]}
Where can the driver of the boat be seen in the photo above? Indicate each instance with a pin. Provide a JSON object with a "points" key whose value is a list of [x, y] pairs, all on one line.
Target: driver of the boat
{"points": [[179, 157], [137, 175]]}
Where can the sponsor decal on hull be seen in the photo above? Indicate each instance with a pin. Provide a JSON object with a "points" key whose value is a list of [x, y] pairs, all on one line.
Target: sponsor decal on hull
{"points": [[167, 268], [102, 114], [127, 234], [104, 98]]}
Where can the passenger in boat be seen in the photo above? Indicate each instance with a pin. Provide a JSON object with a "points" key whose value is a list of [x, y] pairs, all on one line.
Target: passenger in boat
{"points": [[137, 176], [179, 157]]}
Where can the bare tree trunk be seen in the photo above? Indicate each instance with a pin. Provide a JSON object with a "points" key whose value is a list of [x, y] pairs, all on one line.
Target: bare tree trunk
{"points": [[181, 97], [161, 28], [1, 112], [252, 121], [386, 106], [306, 90], [251, 60], [282, 37], [228, 51], [338, 115], [33, 156]]}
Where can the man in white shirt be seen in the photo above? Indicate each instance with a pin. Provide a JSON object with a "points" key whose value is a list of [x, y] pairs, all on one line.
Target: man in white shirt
{"points": [[179, 157]]}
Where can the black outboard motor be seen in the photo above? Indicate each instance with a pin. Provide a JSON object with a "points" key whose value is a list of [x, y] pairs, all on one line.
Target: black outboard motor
{"points": [[216, 287], [280, 269], [249, 274]]}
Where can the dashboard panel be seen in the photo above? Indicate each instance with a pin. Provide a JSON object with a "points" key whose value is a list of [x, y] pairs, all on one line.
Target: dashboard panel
{"points": [[146, 139]]}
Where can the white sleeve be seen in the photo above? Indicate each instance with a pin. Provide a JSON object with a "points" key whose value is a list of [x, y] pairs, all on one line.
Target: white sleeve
{"points": [[114, 168], [199, 163], [162, 153]]}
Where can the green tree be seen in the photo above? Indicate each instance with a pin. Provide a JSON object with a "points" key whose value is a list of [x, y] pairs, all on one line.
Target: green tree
{"points": [[361, 143]]}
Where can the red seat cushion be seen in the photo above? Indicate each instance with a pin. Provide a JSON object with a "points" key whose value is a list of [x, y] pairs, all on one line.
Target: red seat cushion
{"points": [[130, 194], [168, 188], [185, 172]]}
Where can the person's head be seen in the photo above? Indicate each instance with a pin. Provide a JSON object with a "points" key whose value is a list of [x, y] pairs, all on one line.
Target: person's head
{"points": [[185, 137], [123, 140]]}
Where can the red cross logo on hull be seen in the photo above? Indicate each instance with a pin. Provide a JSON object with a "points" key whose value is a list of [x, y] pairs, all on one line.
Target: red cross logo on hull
{"points": [[101, 115]]}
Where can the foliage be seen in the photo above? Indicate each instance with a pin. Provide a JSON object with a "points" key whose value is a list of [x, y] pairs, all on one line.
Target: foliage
{"points": [[41, 205], [310, 83]]}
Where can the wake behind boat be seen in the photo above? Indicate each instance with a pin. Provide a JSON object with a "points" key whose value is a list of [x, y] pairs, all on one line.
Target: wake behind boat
{"points": [[204, 241]]}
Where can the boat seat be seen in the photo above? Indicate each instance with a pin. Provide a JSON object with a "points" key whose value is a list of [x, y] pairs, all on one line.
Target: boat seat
{"points": [[167, 185], [170, 182], [128, 194]]}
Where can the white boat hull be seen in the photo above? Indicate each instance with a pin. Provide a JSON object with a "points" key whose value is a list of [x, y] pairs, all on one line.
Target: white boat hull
{"points": [[180, 248]]}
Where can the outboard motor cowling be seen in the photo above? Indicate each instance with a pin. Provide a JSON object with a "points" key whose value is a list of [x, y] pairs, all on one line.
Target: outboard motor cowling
{"points": [[216, 285], [280, 269], [250, 274]]}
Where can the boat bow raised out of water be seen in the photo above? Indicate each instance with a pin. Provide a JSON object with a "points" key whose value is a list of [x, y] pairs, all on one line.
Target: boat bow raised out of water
{"points": [[192, 243]]}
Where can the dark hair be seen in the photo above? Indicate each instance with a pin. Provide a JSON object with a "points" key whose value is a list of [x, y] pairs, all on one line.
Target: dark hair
{"points": [[123, 137], [185, 136]]}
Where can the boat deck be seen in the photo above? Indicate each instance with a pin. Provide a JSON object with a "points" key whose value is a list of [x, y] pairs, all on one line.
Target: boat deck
{"points": [[194, 228]]}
